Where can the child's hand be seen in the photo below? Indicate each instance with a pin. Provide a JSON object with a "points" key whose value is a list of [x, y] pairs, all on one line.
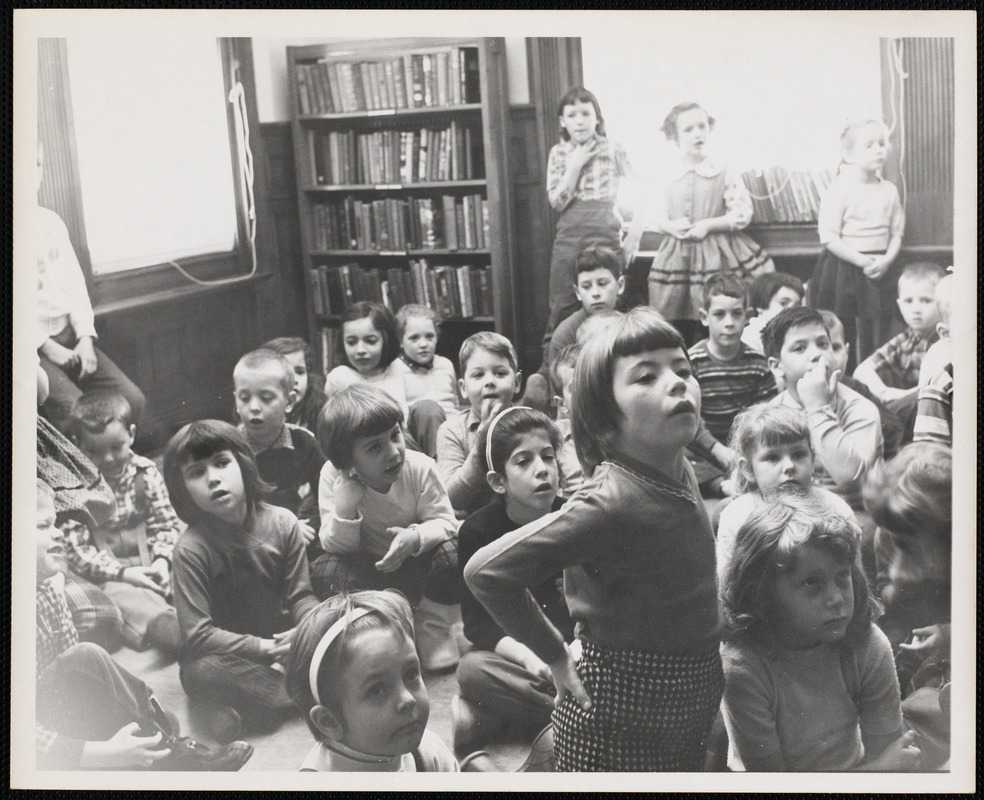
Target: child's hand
{"points": [[678, 228], [281, 645], [902, 755], [566, 679], [818, 386], [576, 648], [931, 643], [583, 153], [877, 267], [144, 577], [127, 749], [405, 543], [725, 455], [87, 356], [898, 400], [699, 230], [163, 573], [59, 355], [349, 492], [728, 487], [306, 531], [534, 665]]}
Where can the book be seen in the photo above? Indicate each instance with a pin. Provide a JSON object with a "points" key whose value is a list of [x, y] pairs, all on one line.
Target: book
{"points": [[300, 78], [450, 222], [417, 70], [465, 291]]}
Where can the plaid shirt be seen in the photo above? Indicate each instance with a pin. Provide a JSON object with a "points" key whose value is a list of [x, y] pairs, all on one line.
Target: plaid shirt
{"points": [[55, 633], [137, 501], [897, 361], [598, 179]]}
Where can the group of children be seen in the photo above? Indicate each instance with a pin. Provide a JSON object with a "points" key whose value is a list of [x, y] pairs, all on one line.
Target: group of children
{"points": [[322, 551]]}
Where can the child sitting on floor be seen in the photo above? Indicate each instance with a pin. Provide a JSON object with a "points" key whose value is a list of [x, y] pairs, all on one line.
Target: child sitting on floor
{"points": [[773, 447], [241, 579], [354, 674], [502, 681], [91, 713], [131, 554], [934, 409], [809, 680], [769, 294], [287, 456], [309, 383], [489, 381], [386, 520]]}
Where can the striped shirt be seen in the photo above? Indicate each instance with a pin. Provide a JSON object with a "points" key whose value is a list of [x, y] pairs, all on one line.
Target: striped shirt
{"points": [[934, 411], [598, 180], [729, 387], [897, 362]]}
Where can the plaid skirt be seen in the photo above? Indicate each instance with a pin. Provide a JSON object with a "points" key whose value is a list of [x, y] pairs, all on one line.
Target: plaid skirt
{"points": [[650, 712]]}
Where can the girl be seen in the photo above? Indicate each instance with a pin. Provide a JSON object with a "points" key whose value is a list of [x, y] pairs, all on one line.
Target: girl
{"points": [[354, 674], [773, 446], [809, 680], [701, 212], [861, 222], [308, 382], [240, 578], [503, 681], [583, 174], [638, 558]]}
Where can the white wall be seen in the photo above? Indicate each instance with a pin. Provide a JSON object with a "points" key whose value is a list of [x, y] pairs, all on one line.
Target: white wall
{"points": [[270, 66]]}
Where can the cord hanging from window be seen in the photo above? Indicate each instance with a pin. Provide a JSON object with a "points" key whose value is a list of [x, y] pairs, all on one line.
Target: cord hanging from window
{"points": [[237, 96]]}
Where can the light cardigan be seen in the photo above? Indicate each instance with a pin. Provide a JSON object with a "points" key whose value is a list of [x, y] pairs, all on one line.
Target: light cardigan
{"points": [[389, 380], [417, 497]]}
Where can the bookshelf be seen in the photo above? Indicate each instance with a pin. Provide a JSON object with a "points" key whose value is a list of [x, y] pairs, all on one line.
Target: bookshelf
{"points": [[403, 181]]}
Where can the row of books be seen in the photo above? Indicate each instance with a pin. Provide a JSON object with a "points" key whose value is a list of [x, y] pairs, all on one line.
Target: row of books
{"points": [[446, 77], [399, 224], [454, 153], [453, 292], [781, 195]]}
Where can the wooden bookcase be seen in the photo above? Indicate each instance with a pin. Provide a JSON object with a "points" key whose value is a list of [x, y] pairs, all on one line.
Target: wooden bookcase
{"points": [[365, 114]]}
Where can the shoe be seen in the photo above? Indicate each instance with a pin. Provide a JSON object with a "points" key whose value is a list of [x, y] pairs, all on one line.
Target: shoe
{"points": [[436, 642], [164, 634], [224, 724], [479, 761], [469, 728], [189, 755], [541, 757]]}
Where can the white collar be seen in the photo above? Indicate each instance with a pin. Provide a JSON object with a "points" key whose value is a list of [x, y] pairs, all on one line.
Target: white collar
{"points": [[710, 167]]}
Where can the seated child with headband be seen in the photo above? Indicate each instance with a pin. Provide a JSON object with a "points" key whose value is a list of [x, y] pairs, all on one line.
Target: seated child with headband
{"points": [[353, 671]]}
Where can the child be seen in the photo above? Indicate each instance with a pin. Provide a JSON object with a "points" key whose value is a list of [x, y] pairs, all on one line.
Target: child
{"points": [[91, 713], [241, 579], [934, 410], [598, 283], [769, 294], [845, 429], [941, 353], [809, 680], [637, 552], [892, 371], [308, 382], [489, 381], [892, 426], [66, 332], [131, 554], [773, 447], [584, 171], [287, 456], [429, 379], [502, 681], [353, 673], [701, 212], [386, 520], [732, 377], [861, 222], [562, 377]]}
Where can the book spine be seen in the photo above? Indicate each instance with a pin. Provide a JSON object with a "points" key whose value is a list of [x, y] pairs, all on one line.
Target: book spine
{"points": [[335, 88], [441, 78], [427, 66], [486, 227], [323, 289], [300, 78], [464, 291], [315, 292], [417, 66], [450, 222]]}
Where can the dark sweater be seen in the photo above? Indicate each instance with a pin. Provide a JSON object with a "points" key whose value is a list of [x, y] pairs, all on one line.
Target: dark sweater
{"points": [[482, 528], [234, 586], [290, 468]]}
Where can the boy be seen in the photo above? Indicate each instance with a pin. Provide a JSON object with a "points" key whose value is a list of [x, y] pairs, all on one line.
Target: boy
{"points": [[287, 456], [131, 553], [892, 371], [934, 409], [845, 430], [892, 428], [562, 377], [91, 713], [598, 283], [489, 381], [769, 294]]}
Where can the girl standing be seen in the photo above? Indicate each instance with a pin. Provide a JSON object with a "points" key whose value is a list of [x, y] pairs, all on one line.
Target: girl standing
{"points": [[502, 681], [809, 680], [861, 222], [701, 212], [583, 174], [637, 553]]}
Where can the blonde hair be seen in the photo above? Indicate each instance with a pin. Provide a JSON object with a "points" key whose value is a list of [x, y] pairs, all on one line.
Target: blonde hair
{"points": [[764, 425]]}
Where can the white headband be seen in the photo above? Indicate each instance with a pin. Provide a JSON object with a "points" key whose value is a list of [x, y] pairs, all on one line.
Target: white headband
{"points": [[330, 635], [488, 436]]}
